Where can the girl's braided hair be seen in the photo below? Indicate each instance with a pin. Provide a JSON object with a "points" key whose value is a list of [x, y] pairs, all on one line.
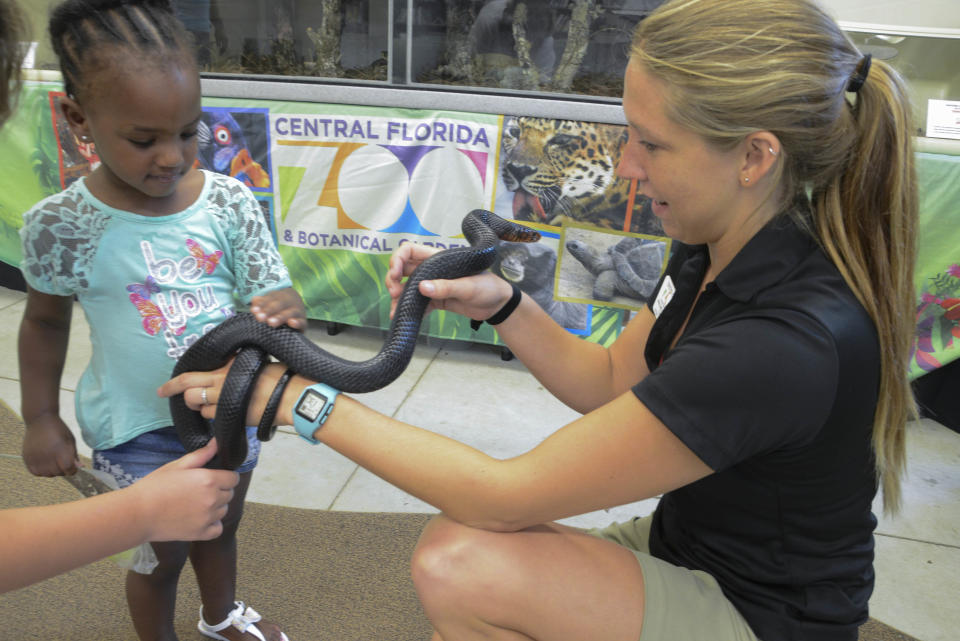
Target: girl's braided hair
{"points": [[88, 34]]}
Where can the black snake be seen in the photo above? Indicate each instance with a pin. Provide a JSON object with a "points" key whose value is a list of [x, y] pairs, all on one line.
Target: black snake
{"points": [[253, 342]]}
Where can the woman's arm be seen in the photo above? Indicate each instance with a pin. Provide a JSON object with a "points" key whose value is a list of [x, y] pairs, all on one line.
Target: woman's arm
{"points": [[179, 501], [582, 374], [616, 454], [49, 448]]}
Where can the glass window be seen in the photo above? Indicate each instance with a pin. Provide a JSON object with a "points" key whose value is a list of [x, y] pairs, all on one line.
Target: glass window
{"points": [[532, 45], [527, 45], [927, 60], [495, 47], [305, 38]]}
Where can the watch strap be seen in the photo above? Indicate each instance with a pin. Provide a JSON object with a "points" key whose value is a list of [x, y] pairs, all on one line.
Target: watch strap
{"points": [[312, 409]]}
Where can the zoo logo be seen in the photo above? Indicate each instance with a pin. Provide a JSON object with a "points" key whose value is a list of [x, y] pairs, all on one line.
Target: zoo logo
{"points": [[413, 189]]}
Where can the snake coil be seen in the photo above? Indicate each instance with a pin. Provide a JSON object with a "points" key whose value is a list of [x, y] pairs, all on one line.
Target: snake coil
{"points": [[253, 342]]}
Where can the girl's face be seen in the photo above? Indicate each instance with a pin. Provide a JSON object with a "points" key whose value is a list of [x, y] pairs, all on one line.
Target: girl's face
{"points": [[143, 121], [694, 186]]}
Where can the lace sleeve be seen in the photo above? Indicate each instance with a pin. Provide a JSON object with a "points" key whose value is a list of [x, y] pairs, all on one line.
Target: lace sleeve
{"points": [[59, 239], [259, 267]]}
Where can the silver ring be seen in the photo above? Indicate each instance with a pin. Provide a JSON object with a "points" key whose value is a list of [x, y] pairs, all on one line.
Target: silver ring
{"points": [[203, 396]]}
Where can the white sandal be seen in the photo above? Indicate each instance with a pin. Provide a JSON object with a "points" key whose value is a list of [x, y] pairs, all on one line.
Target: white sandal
{"points": [[243, 618]]}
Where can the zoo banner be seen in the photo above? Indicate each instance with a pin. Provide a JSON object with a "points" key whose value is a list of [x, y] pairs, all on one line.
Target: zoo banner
{"points": [[343, 186]]}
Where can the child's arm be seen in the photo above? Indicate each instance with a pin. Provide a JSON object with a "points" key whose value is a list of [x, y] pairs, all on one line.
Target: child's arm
{"points": [[180, 501], [259, 268], [49, 448], [280, 306]]}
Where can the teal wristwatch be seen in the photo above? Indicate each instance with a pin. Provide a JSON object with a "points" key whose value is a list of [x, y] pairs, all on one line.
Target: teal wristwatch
{"points": [[312, 409]]}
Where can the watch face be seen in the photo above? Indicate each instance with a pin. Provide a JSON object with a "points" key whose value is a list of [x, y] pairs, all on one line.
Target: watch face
{"points": [[311, 405]]}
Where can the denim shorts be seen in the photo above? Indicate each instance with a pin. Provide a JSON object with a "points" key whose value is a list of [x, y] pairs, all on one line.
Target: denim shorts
{"points": [[131, 461]]}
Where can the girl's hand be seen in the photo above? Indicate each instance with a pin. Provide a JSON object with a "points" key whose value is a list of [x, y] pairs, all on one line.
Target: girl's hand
{"points": [[183, 501], [281, 306], [478, 297], [49, 448]]}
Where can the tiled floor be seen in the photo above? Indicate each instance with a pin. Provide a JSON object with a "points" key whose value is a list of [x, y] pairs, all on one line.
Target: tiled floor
{"points": [[448, 388]]}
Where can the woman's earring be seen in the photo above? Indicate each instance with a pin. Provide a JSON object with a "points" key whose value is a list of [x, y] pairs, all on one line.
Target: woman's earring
{"points": [[772, 152], [745, 180]]}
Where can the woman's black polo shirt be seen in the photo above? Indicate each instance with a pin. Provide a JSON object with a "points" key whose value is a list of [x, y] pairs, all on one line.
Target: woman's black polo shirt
{"points": [[774, 386]]}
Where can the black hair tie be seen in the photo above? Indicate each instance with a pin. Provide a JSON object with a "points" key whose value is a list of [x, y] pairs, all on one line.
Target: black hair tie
{"points": [[860, 74], [266, 428], [504, 312]]}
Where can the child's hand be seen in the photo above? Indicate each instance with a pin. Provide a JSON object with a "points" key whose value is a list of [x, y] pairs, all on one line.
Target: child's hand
{"points": [[282, 306], [49, 448]]}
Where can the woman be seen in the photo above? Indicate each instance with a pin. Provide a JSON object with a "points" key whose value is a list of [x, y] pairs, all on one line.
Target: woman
{"points": [[762, 392]]}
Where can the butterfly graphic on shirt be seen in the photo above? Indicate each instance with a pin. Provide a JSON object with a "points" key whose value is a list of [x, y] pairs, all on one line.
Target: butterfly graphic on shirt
{"points": [[144, 289], [206, 262], [154, 321]]}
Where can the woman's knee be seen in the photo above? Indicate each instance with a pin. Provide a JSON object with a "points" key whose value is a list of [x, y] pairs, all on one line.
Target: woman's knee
{"points": [[452, 560]]}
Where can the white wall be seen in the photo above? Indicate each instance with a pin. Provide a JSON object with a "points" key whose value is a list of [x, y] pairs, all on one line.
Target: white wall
{"points": [[935, 14]]}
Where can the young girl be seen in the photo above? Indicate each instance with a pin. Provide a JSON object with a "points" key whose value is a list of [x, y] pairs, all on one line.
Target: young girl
{"points": [[155, 251], [180, 500]]}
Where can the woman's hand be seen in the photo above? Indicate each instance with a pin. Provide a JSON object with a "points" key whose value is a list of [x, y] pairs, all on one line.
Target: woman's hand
{"points": [[404, 260], [478, 297], [193, 384], [183, 501]]}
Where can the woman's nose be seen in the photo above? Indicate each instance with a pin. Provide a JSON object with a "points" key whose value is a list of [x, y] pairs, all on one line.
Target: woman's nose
{"points": [[630, 167]]}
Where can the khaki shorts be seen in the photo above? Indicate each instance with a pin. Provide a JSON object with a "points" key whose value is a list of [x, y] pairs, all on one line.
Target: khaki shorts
{"points": [[681, 604]]}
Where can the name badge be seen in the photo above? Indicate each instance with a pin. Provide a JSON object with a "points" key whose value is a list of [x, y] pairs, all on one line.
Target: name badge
{"points": [[664, 296]]}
